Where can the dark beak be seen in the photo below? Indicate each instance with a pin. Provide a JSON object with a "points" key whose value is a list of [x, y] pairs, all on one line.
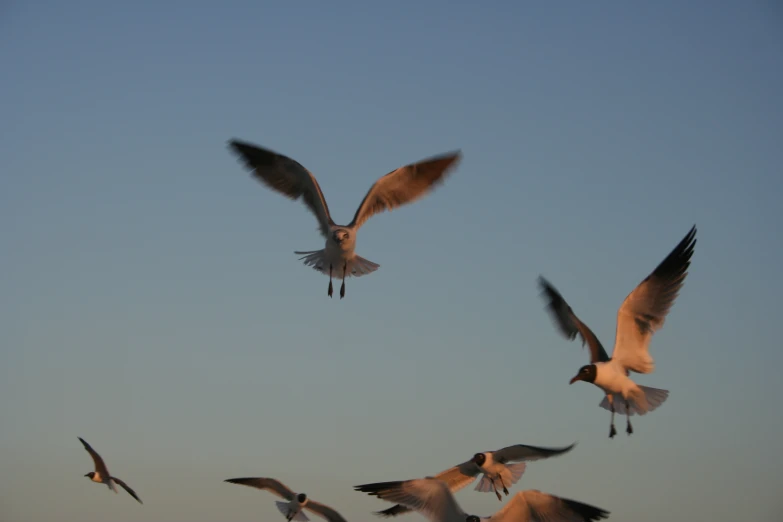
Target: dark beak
{"points": [[576, 378], [86, 474]]}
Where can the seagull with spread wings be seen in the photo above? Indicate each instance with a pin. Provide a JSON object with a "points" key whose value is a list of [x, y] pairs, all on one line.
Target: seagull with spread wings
{"points": [[433, 499], [642, 313], [504, 466], [101, 473], [399, 187], [296, 502]]}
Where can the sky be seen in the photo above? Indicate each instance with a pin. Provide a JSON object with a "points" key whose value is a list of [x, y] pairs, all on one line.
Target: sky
{"points": [[151, 302]]}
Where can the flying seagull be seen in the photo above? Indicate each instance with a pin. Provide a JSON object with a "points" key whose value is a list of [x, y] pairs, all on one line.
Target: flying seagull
{"points": [[504, 466], [433, 499], [642, 313], [291, 510], [399, 187], [101, 473]]}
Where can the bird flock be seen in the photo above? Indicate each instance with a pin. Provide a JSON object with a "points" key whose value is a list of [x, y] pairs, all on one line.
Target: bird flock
{"points": [[640, 315]]}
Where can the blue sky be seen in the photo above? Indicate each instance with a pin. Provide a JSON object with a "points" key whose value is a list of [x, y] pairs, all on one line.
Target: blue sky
{"points": [[152, 304]]}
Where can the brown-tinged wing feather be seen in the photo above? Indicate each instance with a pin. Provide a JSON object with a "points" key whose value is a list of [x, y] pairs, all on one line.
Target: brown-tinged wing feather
{"points": [[286, 176], [405, 185]]}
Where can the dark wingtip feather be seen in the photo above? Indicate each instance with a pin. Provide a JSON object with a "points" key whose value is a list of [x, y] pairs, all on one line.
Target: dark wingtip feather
{"points": [[377, 487], [588, 512], [392, 511]]}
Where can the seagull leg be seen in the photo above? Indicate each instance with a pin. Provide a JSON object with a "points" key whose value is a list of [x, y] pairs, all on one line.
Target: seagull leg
{"points": [[612, 430], [628, 428], [330, 280], [505, 489], [342, 288], [495, 488]]}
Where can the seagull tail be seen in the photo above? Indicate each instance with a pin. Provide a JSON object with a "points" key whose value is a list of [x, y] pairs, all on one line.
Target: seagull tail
{"points": [[360, 266], [517, 469], [357, 266], [642, 400]]}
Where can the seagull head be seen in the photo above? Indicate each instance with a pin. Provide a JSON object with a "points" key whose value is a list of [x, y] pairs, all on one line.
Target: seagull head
{"points": [[479, 459], [341, 236], [472, 518], [301, 497], [586, 373], [91, 474]]}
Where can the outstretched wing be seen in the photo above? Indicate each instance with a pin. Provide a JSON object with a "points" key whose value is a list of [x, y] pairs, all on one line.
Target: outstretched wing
{"points": [[523, 452], [287, 177], [100, 466], [324, 511], [127, 488], [532, 505], [644, 310], [455, 478], [569, 324], [404, 185], [429, 496], [268, 484]]}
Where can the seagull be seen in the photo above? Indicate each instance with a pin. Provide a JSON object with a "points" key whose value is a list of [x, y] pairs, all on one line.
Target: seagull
{"points": [[399, 187], [493, 466], [292, 510], [433, 499], [101, 473], [642, 313]]}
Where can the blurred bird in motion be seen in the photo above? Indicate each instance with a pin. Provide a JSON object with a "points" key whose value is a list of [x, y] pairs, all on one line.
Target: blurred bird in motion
{"points": [[101, 473], [433, 499], [296, 502]]}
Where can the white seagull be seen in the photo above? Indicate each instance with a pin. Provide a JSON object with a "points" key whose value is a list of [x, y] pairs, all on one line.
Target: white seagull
{"points": [[642, 313], [504, 466], [101, 474], [433, 499], [292, 509], [398, 187]]}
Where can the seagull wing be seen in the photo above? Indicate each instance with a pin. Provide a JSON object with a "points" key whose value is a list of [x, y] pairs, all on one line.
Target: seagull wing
{"points": [[287, 177], [404, 185], [100, 466], [523, 452], [324, 511], [268, 484], [429, 496], [127, 488], [455, 478], [534, 506], [569, 324], [644, 310]]}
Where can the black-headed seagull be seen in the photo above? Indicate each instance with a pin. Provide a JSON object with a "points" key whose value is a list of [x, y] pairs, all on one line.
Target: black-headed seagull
{"points": [[499, 470], [433, 499], [101, 473], [642, 313], [296, 502]]}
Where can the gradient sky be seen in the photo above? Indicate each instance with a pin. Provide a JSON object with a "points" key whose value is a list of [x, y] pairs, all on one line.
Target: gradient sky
{"points": [[152, 304]]}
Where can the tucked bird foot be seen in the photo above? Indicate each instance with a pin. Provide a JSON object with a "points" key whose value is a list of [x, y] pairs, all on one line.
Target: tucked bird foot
{"points": [[612, 431], [498, 494], [342, 290], [330, 292], [505, 490], [629, 429]]}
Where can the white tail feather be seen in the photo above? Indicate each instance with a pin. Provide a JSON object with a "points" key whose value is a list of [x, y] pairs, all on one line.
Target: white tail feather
{"points": [[284, 508], [357, 266], [644, 401], [484, 485], [517, 469]]}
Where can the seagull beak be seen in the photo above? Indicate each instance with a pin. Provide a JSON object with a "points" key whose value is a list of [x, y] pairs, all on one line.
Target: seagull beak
{"points": [[574, 379]]}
